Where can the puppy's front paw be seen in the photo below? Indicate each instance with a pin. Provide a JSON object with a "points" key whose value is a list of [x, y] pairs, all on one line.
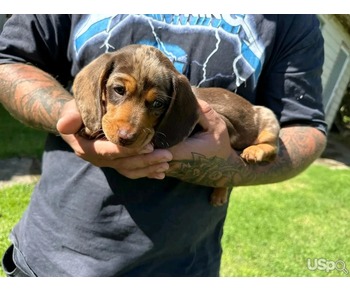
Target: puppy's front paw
{"points": [[253, 154]]}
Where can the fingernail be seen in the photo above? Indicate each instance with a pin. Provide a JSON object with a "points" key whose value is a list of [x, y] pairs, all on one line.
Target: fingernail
{"points": [[159, 176], [167, 157], [163, 168], [163, 160]]}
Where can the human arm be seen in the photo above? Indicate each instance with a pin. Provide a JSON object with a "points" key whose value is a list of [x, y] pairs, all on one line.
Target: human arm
{"points": [[207, 159], [32, 96]]}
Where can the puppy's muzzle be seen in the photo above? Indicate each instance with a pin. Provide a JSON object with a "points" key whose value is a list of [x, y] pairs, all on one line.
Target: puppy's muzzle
{"points": [[125, 138]]}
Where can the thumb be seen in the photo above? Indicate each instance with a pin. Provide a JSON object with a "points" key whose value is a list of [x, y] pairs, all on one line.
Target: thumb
{"points": [[70, 120], [205, 114]]}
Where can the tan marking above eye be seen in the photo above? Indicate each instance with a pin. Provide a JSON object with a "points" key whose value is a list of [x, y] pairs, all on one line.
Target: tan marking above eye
{"points": [[126, 80], [151, 95]]}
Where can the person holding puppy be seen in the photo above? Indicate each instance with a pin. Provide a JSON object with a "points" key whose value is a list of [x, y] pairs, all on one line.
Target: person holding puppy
{"points": [[101, 209]]}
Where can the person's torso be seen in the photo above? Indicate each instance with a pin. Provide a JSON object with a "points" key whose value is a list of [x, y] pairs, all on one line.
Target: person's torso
{"points": [[85, 220]]}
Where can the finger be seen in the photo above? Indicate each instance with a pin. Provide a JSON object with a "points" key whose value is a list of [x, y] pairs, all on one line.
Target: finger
{"points": [[144, 161], [146, 149], [210, 120], [106, 154], [69, 124], [100, 149], [205, 114], [153, 165], [70, 121], [204, 106], [154, 171]]}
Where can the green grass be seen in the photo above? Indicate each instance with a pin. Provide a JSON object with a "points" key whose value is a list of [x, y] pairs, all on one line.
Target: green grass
{"points": [[17, 139], [13, 201], [270, 230], [273, 230]]}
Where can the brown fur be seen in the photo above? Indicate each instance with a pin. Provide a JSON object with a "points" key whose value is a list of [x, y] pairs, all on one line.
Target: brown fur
{"points": [[135, 96]]}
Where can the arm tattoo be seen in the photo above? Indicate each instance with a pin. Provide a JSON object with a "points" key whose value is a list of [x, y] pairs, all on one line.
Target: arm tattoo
{"points": [[202, 170], [299, 147], [32, 96]]}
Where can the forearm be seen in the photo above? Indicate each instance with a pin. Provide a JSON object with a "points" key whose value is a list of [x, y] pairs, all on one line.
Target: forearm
{"points": [[299, 147], [32, 96]]}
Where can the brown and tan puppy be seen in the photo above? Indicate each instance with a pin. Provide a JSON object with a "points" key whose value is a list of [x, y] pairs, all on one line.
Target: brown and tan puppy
{"points": [[135, 96]]}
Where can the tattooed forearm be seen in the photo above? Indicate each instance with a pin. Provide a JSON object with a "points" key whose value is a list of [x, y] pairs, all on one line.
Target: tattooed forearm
{"points": [[32, 96], [205, 171], [299, 147]]}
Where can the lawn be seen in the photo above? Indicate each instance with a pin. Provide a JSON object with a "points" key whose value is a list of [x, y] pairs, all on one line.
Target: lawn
{"points": [[270, 230], [296, 228], [18, 140], [13, 201]]}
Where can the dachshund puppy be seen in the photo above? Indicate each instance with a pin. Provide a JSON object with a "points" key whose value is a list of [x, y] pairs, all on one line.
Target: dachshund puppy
{"points": [[135, 96]]}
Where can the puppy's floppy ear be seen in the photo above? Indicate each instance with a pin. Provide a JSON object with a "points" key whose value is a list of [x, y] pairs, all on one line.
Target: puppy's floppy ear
{"points": [[181, 116], [88, 89]]}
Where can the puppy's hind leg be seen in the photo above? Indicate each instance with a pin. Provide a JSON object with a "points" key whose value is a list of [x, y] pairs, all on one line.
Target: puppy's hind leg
{"points": [[219, 197], [265, 147]]}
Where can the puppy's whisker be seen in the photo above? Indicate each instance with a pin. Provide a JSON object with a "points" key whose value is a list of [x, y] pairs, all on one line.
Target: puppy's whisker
{"points": [[160, 134], [99, 134], [147, 131], [161, 139]]}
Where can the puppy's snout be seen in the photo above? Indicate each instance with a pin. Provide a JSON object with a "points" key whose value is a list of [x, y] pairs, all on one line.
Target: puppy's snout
{"points": [[125, 134], [125, 137]]}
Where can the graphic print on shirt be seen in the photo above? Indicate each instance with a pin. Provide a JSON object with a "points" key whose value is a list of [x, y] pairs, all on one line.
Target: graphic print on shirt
{"points": [[211, 50]]}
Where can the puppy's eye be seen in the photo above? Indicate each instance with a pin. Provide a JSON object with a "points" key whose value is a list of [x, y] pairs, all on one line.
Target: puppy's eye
{"points": [[119, 89], [157, 104]]}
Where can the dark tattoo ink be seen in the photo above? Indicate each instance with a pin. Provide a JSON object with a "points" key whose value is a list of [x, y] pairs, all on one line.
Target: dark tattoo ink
{"points": [[299, 147], [202, 170], [33, 97]]}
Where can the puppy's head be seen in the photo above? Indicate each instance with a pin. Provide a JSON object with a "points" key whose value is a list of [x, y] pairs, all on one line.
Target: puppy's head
{"points": [[136, 96]]}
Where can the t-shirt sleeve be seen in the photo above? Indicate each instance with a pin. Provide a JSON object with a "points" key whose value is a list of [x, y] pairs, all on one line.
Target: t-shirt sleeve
{"points": [[40, 40], [291, 82]]}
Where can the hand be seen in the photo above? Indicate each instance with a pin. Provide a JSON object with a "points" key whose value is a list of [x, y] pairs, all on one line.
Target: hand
{"points": [[203, 157], [132, 163]]}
